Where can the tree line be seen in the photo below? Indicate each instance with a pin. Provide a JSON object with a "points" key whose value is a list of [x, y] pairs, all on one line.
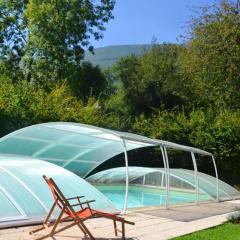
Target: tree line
{"points": [[187, 93]]}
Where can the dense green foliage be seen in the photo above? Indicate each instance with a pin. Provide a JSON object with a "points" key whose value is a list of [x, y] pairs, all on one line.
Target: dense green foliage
{"points": [[224, 232], [150, 80], [218, 133], [44, 41], [186, 93], [211, 62], [23, 104]]}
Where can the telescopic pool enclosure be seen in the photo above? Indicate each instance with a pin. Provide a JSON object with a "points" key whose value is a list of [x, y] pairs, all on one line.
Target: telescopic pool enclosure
{"points": [[24, 197], [78, 149]]}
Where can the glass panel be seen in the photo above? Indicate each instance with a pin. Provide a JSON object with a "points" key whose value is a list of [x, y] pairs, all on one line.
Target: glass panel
{"points": [[181, 193], [107, 136], [21, 146], [56, 162], [23, 197], [102, 153], [204, 185], [134, 145], [61, 152], [7, 209], [85, 141], [232, 192], [42, 133], [75, 128], [80, 168]]}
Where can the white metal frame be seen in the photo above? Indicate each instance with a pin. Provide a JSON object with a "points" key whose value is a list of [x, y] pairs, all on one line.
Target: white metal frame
{"points": [[196, 177], [163, 149], [127, 177], [216, 173], [166, 176]]}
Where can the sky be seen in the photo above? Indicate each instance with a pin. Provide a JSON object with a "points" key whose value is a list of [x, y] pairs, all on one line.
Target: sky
{"points": [[139, 21]]}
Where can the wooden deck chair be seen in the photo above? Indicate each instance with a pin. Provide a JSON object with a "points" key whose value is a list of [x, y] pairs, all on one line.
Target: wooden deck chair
{"points": [[67, 212]]}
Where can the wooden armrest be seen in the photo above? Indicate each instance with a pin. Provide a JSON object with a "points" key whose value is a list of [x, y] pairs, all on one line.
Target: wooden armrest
{"points": [[124, 221], [81, 203], [128, 222], [86, 202], [72, 198]]}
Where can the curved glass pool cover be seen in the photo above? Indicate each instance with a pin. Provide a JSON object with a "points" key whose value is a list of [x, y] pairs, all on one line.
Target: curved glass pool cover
{"points": [[77, 147], [25, 196], [81, 148], [150, 183]]}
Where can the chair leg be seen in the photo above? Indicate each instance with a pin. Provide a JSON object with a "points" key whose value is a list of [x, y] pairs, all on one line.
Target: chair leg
{"points": [[58, 220], [115, 227], [123, 231], [53, 229], [64, 228], [43, 237], [82, 225], [45, 223]]}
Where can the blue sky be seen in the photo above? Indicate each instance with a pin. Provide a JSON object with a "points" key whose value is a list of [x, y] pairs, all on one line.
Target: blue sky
{"points": [[137, 21]]}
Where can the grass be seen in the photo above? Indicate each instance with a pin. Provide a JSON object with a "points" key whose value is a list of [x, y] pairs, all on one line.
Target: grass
{"points": [[227, 231]]}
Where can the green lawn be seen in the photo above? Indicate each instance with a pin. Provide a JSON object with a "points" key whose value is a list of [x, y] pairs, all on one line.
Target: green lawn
{"points": [[227, 231]]}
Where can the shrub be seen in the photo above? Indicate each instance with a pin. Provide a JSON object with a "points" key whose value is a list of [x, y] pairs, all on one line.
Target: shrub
{"points": [[235, 217], [218, 133]]}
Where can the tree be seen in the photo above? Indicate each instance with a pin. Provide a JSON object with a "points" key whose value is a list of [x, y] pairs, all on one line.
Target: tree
{"points": [[13, 37], [45, 39], [210, 66], [89, 82], [152, 79]]}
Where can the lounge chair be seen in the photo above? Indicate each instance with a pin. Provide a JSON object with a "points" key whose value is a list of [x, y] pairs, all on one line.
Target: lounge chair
{"points": [[67, 212]]}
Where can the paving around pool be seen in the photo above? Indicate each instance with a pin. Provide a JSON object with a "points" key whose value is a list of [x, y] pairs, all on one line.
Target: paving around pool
{"points": [[151, 223]]}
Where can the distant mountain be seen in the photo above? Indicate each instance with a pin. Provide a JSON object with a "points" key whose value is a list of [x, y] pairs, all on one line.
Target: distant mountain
{"points": [[107, 56]]}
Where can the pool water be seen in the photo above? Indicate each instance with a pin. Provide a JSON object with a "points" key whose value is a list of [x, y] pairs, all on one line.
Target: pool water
{"points": [[140, 196]]}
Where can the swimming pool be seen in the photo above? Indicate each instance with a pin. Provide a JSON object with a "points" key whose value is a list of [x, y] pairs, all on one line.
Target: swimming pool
{"points": [[139, 196]]}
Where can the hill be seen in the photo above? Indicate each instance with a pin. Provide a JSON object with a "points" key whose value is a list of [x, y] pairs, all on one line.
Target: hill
{"points": [[107, 56]]}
